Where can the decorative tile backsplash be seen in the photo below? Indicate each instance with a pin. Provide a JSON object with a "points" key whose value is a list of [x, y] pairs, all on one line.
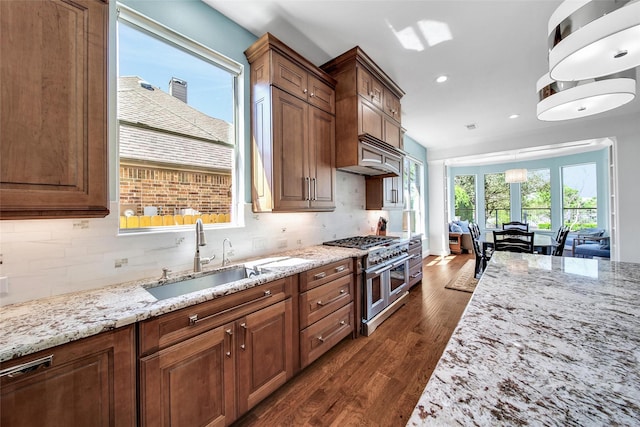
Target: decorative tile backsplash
{"points": [[51, 257]]}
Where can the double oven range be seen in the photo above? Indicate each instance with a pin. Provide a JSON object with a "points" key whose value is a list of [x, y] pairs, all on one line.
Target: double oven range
{"points": [[385, 279]]}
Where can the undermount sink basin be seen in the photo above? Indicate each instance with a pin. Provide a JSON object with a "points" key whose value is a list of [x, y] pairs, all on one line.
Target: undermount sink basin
{"points": [[187, 286]]}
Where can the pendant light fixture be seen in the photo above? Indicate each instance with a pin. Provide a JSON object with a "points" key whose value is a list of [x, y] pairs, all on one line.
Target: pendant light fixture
{"points": [[513, 176], [593, 38], [560, 100]]}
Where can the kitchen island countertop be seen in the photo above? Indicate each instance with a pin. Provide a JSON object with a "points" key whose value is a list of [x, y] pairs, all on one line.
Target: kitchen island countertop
{"points": [[544, 341], [36, 325]]}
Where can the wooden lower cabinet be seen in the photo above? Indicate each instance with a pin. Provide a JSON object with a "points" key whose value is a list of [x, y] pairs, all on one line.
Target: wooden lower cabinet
{"points": [[191, 383], [90, 382], [415, 262], [212, 378], [264, 353], [326, 308]]}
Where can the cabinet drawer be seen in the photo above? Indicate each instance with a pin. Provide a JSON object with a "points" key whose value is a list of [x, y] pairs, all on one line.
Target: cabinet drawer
{"points": [[415, 274], [321, 275], [324, 334], [323, 300], [160, 332], [289, 76]]}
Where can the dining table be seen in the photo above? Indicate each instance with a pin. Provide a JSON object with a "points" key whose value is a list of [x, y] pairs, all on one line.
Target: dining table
{"points": [[542, 243], [544, 341]]}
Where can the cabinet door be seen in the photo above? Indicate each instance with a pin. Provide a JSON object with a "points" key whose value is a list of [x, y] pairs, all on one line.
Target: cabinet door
{"points": [[90, 382], [322, 142], [292, 181], [191, 383], [321, 95], [369, 87], [264, 353], [289, 76], [393, 192], [369, 120], [392, 133], [53, 121], [392, 105]]}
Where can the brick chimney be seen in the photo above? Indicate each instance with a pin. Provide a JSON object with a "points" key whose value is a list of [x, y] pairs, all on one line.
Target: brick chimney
{"points": [[178, 88]]}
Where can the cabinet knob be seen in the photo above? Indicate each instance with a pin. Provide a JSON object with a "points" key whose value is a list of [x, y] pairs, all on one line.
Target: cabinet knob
{"points": [[304, 91], [311, 94]]}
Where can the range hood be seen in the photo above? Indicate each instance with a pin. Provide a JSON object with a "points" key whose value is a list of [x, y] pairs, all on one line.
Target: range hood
{"points": [[373, 158]]}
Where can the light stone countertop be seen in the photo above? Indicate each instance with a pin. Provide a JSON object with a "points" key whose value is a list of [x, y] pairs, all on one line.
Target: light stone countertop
{"points": [[32, 326], [544, 341]]}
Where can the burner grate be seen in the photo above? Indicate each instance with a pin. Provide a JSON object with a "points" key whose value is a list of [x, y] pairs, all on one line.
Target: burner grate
{"points": [[361, 242]]}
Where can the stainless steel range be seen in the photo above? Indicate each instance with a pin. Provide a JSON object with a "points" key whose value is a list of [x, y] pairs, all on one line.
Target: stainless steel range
{"points": [[386, 276]]}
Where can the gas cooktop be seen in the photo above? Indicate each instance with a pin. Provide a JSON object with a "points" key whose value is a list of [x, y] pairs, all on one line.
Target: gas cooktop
{"points": [[362, 242]]}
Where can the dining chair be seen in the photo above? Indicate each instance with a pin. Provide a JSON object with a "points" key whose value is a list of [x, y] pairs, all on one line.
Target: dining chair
{"points": [[561, 240], [513, 240], [481, 260], [515, 225]]}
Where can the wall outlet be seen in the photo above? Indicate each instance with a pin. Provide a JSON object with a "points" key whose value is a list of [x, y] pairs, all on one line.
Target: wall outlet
{"points": [[4, 285], [82, 224], [282, 243], [121, 262], [259, 243]]}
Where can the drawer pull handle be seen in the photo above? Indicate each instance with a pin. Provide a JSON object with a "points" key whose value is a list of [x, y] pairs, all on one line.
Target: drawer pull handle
{"points": [[321, 304], [319, 275], [244, 336], [418, 274], [342, 323], [28, 367], [193, 319], [229, 332], [339, 269]]}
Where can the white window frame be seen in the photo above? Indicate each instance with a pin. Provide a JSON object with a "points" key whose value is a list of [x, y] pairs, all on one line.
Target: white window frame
{"points": [[156, 29]]}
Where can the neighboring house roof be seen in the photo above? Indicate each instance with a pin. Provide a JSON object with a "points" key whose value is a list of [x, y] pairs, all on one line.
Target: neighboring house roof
{"points": [[157, 127], [150, 145]]}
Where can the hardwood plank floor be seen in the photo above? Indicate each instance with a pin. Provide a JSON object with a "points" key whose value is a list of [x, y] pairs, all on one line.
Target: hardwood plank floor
{"points": [[376, 380]]}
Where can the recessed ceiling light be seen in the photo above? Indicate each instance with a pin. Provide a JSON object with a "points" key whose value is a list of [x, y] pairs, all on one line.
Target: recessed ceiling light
{"points": [[442, 79], [472, 126], [514, 116]]}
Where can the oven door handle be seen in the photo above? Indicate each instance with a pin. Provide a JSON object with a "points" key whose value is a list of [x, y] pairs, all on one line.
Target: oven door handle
{"points": [[400, 261], [388, 266]]}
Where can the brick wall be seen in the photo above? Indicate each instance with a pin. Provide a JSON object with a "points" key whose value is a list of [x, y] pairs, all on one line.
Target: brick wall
{"points": [[174, 189]]}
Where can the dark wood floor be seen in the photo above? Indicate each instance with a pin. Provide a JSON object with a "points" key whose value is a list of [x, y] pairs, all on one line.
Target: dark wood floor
{"points": [[376, 380]]}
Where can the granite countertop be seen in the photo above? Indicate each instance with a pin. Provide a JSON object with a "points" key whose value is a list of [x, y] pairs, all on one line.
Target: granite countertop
{"points": [[32, 326], [543, 341]]}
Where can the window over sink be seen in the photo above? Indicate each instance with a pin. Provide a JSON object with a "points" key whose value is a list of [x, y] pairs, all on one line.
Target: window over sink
{"points": [[177, 115]]}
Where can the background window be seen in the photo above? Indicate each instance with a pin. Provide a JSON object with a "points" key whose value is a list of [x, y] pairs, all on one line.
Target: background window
{"points": [[413, 179], [536, 199], [579, 196], [497, 199], [176, 130], [465, 197]]}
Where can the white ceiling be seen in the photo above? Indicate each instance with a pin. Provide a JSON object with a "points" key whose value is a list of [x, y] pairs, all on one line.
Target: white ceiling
{"points": [[496, 53]]}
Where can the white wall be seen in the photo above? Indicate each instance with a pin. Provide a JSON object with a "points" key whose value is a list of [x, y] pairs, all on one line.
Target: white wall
{"points": [[626, 131], [51, 257]]}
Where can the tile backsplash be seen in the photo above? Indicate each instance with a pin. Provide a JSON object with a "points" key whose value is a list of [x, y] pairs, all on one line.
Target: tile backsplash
{"points": [[50, 257]]}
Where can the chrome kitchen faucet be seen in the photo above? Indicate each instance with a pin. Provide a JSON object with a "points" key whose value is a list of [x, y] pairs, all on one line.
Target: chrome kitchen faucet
{"points": [[225, 260], [200, 241]]}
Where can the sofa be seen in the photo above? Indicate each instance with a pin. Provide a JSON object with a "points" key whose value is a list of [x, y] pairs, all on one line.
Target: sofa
{"points": [[587, 243], [466, 243]]}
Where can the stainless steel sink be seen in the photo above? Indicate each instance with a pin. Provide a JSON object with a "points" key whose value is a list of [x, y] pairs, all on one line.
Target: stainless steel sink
{"points": [[183, 287]]}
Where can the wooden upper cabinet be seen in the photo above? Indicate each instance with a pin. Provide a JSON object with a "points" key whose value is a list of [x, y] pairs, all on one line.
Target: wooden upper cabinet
{"points": [[369, 87], [53, 125], [367, 108], [293, 130], [392, 105], [89, 382]]}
